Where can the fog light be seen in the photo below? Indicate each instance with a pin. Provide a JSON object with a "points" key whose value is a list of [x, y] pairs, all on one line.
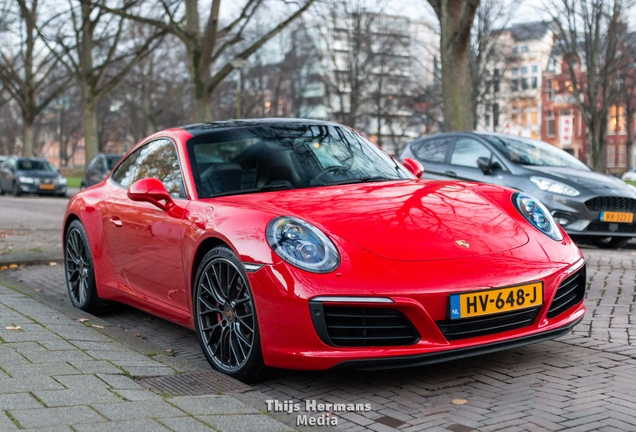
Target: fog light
{"points": [[561, 221]]}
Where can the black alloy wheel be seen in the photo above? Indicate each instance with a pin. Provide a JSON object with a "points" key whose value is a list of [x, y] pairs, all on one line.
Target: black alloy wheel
{"points": [[79, 270], [225, 317]]}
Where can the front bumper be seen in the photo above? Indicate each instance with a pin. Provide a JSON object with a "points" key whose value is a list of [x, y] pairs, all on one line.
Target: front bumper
{"points": [[42, 189], [289, 335], [584, 220]]}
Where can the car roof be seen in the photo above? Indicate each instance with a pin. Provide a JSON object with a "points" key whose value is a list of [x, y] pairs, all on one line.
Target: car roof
{"points": [[201, 128]]}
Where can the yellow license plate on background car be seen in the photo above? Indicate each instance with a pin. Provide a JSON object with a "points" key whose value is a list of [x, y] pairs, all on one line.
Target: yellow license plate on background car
{"points": [[620, 217], [47, 187], [488, 302]]}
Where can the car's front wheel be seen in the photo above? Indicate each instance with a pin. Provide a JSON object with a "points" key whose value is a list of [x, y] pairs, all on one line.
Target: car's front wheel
{"points": [[16, 191], [79, 270], [611, 242], [225, 316]]}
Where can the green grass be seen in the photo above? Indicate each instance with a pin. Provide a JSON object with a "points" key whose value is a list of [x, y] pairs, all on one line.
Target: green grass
{"points": [[633, 183], [74, 182]]}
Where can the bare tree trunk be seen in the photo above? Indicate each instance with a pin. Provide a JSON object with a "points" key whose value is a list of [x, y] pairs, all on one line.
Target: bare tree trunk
{"points": [[28, 138], [89, 122], [456, 18]]}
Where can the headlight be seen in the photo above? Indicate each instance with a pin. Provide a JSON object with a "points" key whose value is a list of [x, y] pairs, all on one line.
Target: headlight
{"points": [[554, 186], [61, 181], [537, 215], [27, 180], [302, 245]]}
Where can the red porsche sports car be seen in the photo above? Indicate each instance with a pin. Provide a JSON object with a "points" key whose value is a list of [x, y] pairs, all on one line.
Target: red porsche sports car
{"points": [[299, 244]]}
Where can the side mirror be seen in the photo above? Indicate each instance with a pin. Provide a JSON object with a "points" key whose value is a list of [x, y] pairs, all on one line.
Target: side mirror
{"points": [[151, 190], [413, 166], [484, 165]]}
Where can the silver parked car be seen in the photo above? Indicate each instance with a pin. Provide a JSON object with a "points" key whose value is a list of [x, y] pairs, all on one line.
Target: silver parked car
{"points": [[587, 204]]}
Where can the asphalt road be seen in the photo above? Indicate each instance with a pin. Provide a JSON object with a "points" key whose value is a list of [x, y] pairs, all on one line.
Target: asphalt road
{"points": [[583, 381]]}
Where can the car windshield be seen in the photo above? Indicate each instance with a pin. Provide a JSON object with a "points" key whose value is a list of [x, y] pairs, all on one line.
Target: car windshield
{"points": [[112, 161], [525, 151], [34, 165], [263, 158]]}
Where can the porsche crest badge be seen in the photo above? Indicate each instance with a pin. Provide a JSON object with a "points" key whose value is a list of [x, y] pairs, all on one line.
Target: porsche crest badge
{"points": [[463, 243]]}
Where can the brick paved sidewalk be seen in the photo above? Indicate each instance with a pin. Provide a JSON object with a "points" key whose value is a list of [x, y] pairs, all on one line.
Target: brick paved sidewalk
{"points": [[57, 373]]}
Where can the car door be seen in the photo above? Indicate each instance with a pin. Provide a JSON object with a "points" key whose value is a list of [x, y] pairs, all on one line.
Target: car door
{"points": [[146, 241], [432, 153], [463, 162], [4, 173]]}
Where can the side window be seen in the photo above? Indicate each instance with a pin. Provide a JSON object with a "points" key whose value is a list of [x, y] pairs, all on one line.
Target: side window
{"points": [[126, 172], [432, 150], [159, 159], [467, 151]]}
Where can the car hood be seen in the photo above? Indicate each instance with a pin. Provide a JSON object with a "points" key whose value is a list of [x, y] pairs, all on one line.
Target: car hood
{"points": [[590, 180], [38, 174], [401, 220]]}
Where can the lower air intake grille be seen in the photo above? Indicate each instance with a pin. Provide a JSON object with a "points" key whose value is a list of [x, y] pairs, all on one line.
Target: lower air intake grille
{"points": [[612, 204], [360, 326], [481, 326], [570, 293]]}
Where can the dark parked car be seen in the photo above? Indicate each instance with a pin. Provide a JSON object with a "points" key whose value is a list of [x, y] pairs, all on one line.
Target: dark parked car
{"points": [[31, 175], [585, 203], [99, 168]]}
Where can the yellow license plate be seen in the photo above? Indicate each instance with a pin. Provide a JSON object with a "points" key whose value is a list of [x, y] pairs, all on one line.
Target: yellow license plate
{"points": [[488, 302], [620, 217], [47, 186]]}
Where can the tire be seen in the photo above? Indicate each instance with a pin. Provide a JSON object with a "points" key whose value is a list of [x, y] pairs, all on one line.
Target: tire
{"points": [[61, 195], [15, 191], [1, 190], [79, 270], [225, 317], [611, 242]]}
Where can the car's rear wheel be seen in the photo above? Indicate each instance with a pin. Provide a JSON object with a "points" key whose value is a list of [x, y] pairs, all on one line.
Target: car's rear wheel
{"points": [[79, 270], [16, 189], [611, 242], [225, 317]]}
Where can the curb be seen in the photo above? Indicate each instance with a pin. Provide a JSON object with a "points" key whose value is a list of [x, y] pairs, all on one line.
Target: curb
{"points": [[16, 260]]}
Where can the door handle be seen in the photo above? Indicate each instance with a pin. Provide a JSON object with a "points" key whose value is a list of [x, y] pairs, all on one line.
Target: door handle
{"points": [[116, 222], [450, 173]]}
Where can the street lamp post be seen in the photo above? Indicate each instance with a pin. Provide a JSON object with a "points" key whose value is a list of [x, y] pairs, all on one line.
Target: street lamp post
{"points": [[238, 64]]}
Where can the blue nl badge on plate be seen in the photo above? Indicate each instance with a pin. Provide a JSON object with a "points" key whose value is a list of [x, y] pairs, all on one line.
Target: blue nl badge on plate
{"points": [[454, 307]]}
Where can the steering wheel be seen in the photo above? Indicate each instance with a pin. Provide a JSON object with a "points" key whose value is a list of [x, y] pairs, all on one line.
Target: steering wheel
{"points": [[331, 169]]}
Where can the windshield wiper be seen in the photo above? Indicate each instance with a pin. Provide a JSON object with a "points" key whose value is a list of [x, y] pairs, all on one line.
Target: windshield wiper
{"points": [[359, 180], [265, 188]]}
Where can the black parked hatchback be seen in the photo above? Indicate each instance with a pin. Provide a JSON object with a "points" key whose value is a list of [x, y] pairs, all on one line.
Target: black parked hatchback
{"points": [[98, 169], [586, 203]]}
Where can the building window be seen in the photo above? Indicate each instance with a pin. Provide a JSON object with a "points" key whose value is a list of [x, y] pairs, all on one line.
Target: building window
{"points": [[611, 156], [535, 69], [487, 120], [495, 86], [549, 116], [534, 117], [550, 90], [495, 115], [616, 123], [524, 49], [622, 156], [515, 85], [524, 83], [535, 82], [515, 71], [524, 70]]}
